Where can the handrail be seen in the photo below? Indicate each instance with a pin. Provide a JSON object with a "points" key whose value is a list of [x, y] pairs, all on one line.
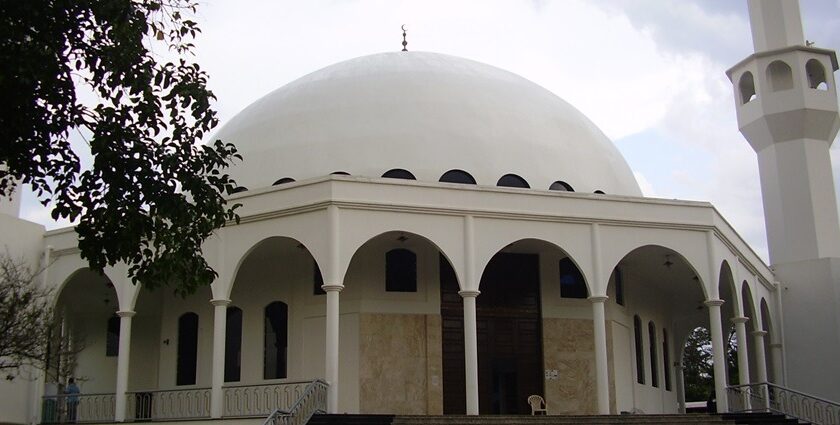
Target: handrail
{"points": [[312, 401], [766, 396], [170, 404], [79, 408]]}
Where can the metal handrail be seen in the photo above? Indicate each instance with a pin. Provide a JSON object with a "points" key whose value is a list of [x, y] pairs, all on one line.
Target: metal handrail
{"points": [[765, 396], [312, 401]]}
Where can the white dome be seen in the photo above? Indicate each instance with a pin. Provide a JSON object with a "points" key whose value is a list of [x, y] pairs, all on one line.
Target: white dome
{"points": [[426, 113]]}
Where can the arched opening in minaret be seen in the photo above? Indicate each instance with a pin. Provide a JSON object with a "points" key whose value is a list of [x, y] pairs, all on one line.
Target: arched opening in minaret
{"points": [[816, 75], [746, 85], [780, 76]]}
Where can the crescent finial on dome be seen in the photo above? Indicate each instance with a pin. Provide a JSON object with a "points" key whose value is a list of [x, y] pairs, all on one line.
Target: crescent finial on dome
{"points": [[404, 43]]}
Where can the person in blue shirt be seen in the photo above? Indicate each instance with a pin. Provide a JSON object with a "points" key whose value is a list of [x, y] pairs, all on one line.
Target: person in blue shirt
{"points": [[72, 391]]}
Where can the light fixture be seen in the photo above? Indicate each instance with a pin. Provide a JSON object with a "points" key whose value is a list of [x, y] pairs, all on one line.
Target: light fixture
{"points": [[668, 263]]}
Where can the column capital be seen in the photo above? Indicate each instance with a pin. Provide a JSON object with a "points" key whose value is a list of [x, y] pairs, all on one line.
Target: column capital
{"points": [[761, 333], [598, 299], [126, 313], [332, 288], [714, 303], [469, 293], [740, 319], [219, 302]]}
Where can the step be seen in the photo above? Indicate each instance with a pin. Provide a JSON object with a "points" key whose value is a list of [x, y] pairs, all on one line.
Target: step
{"points": [[688, 419]]}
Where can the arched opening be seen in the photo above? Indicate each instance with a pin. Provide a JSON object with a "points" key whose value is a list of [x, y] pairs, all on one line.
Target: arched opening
{"points": [[512, 180], [276, 340], [656, 285], [816, 75], [780, 76], [749, 311], [273, 285], [666, 359], [561, 186], [283, 180], [233, 344], [638, 345], [654, 357], [727, 291], [339, 173], [404, 346], [239, 189], [767, 324], [512, 329], [400, 270], [457, 176], [187, 357], [399, 173], [746, 87], [85, 335], [600, 192]]}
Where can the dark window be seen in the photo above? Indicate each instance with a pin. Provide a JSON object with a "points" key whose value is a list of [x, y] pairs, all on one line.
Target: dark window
{"points": [[816, 75], [561, 186], [654, 370], [238, 189], [284, 180], [746, 85], [640, 357], [317, 280], [572, 284], [112, 337], [666, 360], [340, 173], [187, 349], [600, 192], [400, 271], [512, 180], [233, 344], [618, 277], [399, 173], [457, 176], [276, 340]]}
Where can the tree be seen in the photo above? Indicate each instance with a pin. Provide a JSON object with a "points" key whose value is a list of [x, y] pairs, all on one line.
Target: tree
{"points": [[698, 362], [152, 194], [29, 333]]}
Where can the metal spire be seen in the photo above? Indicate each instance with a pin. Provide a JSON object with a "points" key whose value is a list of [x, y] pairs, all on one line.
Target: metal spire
{"points": [[405, 43]]}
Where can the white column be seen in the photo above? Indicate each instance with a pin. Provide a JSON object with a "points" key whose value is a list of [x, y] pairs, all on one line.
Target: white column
{"points": [[680, 376], [332, 345], [217, 396], [122, 364], [761, 364], [718, 354], [776, 363], [602, 383], [470, 350], [743, 355]]}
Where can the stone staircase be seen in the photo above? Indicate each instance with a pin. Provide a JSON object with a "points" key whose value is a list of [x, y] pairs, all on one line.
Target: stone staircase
{"points": [[689, 419]]}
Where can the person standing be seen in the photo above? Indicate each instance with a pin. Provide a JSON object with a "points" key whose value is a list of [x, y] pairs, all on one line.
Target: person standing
{"points": [[72, 391]]}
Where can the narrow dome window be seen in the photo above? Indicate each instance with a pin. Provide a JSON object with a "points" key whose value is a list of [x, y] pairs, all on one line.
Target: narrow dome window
{"points": [[457, 176], [561, 186], [239, 189], [816, 75], [512, 180], [746, 85], [600, 192], [284, 180], [399, 173], [340, 173], [780, 76]]}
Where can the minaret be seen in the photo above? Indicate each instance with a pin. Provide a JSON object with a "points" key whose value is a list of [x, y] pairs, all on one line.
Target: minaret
{"points": [[786, 102]]}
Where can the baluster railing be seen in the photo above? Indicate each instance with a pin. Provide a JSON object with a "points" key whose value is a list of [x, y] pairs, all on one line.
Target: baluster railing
{"points": [[770, 397], [80, 408], [261, 400], [313, 400], [191, 403]]}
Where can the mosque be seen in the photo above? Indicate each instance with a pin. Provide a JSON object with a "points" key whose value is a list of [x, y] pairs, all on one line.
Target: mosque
{"points": [[426, 234]]}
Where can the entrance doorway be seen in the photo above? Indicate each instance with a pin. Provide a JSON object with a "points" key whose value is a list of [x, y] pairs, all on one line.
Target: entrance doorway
{"points": [[509, 336]]}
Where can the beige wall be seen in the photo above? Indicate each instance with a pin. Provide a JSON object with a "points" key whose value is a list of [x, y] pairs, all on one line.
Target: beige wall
{"points": [[568, 347], [400, 364]]}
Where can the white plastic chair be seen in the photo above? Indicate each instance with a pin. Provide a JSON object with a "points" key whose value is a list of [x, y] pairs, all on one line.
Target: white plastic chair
{"points": [[537, 405]]}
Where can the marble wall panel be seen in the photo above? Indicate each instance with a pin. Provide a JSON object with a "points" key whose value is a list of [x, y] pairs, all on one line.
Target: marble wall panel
{"points": [[568, 346]]}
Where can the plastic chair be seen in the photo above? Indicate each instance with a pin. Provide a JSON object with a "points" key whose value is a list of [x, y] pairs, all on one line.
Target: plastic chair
{"points": [[537, 405]]}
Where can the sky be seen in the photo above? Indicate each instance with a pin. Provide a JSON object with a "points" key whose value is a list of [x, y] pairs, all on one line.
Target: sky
{"points": [[649, 73]]}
